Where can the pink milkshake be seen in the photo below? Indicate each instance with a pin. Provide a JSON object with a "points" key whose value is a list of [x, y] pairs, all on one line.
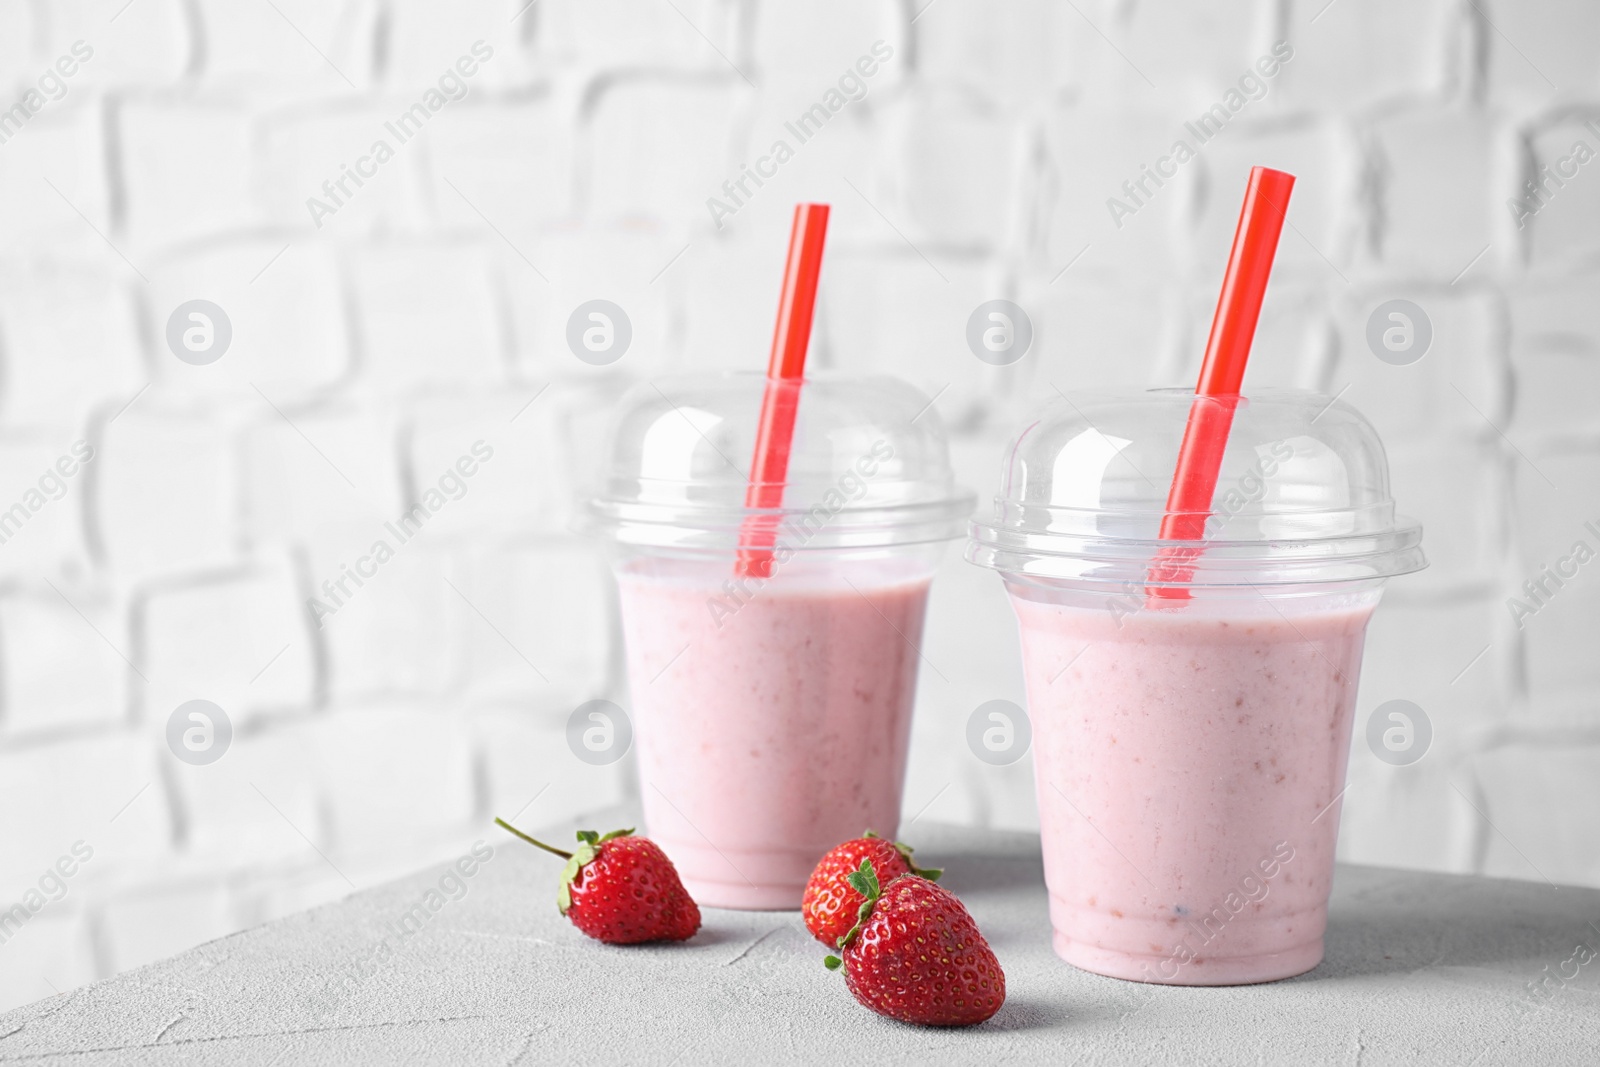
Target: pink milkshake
{"points": [[768, 735], [1190, 749], [1188, 781], [772, 714]]}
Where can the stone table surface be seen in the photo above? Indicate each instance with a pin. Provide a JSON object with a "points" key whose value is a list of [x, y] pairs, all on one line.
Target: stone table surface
{"points": [[1420, 968]]}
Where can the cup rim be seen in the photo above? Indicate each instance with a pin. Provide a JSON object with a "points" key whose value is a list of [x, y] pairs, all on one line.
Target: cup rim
{"points": [[721, 527], [1117, 561]]}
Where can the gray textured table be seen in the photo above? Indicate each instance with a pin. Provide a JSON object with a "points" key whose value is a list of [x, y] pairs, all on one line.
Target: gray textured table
{"points": [[1420, 968]]}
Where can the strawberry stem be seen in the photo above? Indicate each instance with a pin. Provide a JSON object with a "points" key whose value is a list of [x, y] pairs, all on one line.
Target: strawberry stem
{"points": [[538, 844]]}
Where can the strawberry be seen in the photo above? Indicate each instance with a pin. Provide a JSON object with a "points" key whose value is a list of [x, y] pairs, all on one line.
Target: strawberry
{"points": [[621, 889], [917, 956], [831, 904]]}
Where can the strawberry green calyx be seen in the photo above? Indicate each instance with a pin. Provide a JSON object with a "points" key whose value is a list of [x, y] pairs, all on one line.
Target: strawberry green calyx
{"points": [[930, 873], [865, 882], [588, 849]]}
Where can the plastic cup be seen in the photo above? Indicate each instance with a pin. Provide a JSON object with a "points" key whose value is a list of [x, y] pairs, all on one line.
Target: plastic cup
{"points": [[1190, 753], [772, 715]]}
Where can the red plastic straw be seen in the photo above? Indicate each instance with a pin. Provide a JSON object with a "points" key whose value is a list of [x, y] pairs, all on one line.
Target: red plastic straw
{"points": [[1233, 328], [769, 467]]}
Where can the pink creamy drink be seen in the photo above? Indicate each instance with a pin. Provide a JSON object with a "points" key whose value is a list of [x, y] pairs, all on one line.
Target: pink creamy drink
{"points": [[1188, 762], [772, 711], [766, 740], [1189, 748]]}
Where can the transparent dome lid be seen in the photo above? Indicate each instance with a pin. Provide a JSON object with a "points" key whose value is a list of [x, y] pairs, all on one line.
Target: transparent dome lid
{"points": [[1302, 494], [869, 466]]}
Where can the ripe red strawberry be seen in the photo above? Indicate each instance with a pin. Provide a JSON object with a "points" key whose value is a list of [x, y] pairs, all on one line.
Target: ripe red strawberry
{"points": [[621, 889], [917, 956], [831, 905]]}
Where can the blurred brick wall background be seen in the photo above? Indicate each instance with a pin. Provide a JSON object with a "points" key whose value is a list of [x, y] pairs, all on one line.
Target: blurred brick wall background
{"points": [[429, 312]]}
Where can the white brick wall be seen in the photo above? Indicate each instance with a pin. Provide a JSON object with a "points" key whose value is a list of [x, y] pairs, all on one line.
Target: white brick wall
{"points": [[429, 312]]}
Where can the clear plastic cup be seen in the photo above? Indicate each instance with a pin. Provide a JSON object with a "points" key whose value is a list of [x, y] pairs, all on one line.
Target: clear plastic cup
{"points": [[1191, 733], [772, 714]]}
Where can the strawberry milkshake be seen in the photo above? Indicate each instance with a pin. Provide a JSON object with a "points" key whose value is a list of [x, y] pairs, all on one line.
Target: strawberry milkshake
{"points": [[772, 706], [1188, 779], [768, 735], [1191, 725]]}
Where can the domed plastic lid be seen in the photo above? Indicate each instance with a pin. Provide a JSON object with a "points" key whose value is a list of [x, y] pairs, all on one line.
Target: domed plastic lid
{"points": [[869, 466], [1302, 495]]}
